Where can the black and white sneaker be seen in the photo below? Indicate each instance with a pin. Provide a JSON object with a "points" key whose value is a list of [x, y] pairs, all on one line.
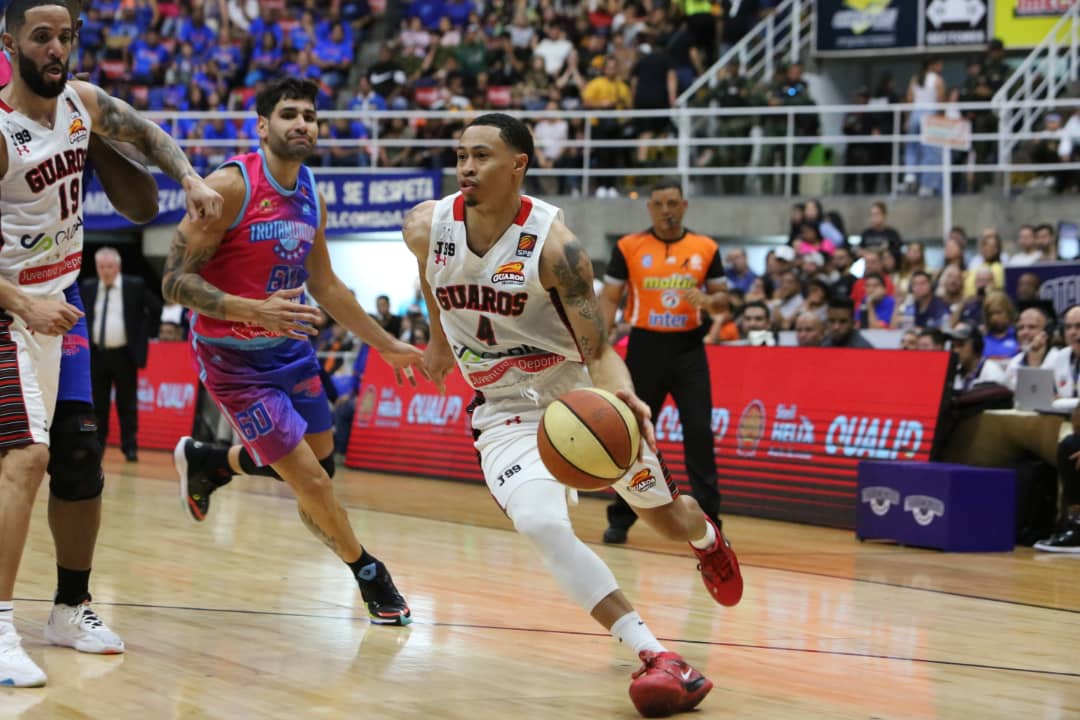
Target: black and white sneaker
{"points": [[385, 604], [1065, 540], [195, 485]]}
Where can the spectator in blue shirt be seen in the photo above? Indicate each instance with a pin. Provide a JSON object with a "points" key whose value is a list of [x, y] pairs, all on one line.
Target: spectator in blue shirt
{"points": [[92, 36], [183, 66], [303, 35], [334, 58], [148, 59], [923, 308], [195, 31], [219, 129], [125, 29], [366, 99], [876, 310], [325, 29], [226, 58], [353, 154], [738, 271], [265, 60], [145, 14], [358, 14], [267, 22], [999, 316], [429, 12], [458, 11]]}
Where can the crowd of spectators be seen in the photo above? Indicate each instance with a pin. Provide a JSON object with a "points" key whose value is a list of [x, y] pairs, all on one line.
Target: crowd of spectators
{"points": [[827, 288], [467, 55]]}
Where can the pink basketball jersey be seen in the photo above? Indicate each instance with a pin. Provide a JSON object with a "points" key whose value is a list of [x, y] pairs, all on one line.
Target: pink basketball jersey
{"points": [[264, 250]]}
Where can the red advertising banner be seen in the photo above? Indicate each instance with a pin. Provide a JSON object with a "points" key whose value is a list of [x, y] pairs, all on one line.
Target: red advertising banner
{"points": [[167, 391], [790, 426]]}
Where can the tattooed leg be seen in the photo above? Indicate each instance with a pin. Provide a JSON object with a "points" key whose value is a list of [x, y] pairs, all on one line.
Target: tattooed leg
{"points": [[318, 507]]}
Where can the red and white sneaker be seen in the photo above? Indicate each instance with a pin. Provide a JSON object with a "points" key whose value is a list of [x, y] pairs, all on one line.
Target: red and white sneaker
{"points": [[720, 569], [666, 684]]}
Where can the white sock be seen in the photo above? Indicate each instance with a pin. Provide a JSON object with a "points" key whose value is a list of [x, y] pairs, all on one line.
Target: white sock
{"points": [[710, 538], [7, 612], [632, 630]]}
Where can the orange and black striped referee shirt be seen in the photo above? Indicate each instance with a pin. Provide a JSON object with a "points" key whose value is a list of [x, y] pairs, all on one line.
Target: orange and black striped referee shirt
{"points": [[658, 273]]}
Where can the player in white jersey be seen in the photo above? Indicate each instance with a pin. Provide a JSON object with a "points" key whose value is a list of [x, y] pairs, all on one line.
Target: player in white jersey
{"points": [[46, 124], [510, 292]]}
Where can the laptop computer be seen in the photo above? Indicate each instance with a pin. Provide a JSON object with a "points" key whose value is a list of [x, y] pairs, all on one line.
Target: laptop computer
{"points": [[1035, 391]]}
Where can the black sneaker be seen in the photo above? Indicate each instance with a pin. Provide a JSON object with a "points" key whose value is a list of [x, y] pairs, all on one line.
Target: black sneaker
{"points": [[195, 486], [615, 535], [384, 603], [618, 523], [1066, 540]]}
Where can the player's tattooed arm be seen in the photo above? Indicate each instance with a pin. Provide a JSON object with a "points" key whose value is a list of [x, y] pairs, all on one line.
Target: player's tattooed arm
{"points": [[566, 268], [117, 120], [195, 244], [182, 283], [571, 269]]}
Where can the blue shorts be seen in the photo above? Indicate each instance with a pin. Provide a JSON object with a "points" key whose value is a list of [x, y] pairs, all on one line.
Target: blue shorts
{"points": [[272, 396], [75, 357]]}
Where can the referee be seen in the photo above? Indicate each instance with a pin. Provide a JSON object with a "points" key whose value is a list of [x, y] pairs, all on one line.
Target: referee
{"points": [[662, 271]]}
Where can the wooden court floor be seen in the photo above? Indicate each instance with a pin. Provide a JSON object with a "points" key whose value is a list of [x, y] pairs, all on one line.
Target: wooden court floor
{"points": [[247, 616]]}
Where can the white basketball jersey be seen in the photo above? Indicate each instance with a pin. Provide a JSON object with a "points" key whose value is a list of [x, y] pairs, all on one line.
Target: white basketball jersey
{"points": [[509, 334], [41, 216]]}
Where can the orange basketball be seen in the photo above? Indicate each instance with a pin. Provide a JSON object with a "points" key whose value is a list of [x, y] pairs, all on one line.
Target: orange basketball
{"points": [[588, 438]]}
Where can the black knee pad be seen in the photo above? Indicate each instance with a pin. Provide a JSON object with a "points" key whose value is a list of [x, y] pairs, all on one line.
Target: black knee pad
{"points": [[75, 453], [328, 464]]}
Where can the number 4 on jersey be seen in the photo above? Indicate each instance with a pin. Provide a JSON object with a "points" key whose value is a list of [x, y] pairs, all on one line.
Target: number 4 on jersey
{"points": [[485, 332]]}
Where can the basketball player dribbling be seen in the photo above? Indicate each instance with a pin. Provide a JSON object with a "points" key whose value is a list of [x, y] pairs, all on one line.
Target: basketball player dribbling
{"points": [[244, 277], [510, 292], [46, 125]]}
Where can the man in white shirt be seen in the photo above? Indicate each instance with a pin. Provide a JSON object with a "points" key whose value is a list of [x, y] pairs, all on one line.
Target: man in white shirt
{"points": [[551, 135], [121, 315], [1028, 252], [554, 48], [1066, 361], [1034, 342]]}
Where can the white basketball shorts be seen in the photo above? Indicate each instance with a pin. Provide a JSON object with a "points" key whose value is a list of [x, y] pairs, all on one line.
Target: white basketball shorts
{"points": [[29, 376], [509, 458]]}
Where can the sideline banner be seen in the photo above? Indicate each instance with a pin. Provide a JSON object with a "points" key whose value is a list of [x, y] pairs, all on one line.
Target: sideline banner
{"points": [[845, 27], [789, 430], [355, 202], [1024, 23], [167, 389]]}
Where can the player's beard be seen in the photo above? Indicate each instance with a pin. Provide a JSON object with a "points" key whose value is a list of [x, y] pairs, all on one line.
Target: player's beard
{"points": [[34, 77], [285, 150]]}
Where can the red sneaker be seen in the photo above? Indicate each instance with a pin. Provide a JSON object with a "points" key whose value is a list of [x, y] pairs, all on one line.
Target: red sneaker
{"points": [[666, 685], [720, 569]]}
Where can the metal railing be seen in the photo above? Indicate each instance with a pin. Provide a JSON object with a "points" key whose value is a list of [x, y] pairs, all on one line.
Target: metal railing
{"points": [[770, 157], [783, 35], [1045, 74]]}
